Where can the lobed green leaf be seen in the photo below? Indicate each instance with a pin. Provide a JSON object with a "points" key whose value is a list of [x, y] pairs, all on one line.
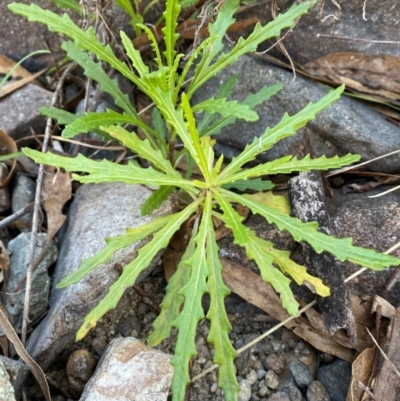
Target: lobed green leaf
{"points": [[96, 72], [288, 164], [245, 185], [219, 323], [155, 200], [342, 248], [130, 273], [258, 250], [106, 171], [226, 109], [62, 117], [113, 245], [285, 128], [192, 310]]}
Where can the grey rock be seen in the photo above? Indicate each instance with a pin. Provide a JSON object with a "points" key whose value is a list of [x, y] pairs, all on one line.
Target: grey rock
{"points": [[98, 211], [260, 374], [252, 377], [6, 389], [19, 250], [293, 391], [4, 192], [347, 126], [130, 371], [17, 372], [301, 373], [22, 194], [336, 377], [380, 24], [279, 396], [317, 392], [245, 391], [19, 111]]}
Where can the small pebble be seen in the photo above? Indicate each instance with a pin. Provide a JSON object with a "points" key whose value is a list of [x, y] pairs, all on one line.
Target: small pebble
{"points": [[201, 361], [301, 373], [252, 377], [264, 391], [275, 363], [213, 388], [260, 374], [271, 380], [276, 345], [80, 368], [293, 392], [245, 391], [99, 344], [280, 396], [317, 392]]}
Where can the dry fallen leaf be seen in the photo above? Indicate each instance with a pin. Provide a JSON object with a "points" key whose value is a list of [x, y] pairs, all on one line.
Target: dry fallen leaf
{"points": [[378, 75], [14, 85], [56, 192], [21, 351], [7, 146]]}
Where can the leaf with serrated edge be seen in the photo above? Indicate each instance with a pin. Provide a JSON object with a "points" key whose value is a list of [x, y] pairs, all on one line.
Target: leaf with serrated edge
{"points": [[93, 120], [134, 55], [308, 232], [130, 273], [226, 108], [96, 72], [217, 33], [219, 322], [224, 91], [106, 171], [298, 272], [155, 200], [143, 148], [285, 128], [256, 185], [171, 304], [260, 34], [257, 249], [195, 149], [192, 311], [84, 39], [286, 166], [171, 15], [62, 117], [252, 101], [113, 245]]}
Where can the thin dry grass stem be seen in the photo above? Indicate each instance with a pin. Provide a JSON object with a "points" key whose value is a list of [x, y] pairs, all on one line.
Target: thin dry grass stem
{"points": [[364, 10], [342, 170], [37, 210], [387, 42], [386, 192], [397, 373], [15, 216]]}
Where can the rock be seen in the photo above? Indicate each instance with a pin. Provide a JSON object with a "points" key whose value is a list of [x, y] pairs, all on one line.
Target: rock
{"points": [[19, 250], [347, 126], [4, 192], [275, 363], [380, 23], [368, 221], [6, 389], [80, 368], [317, 392], [279, 396], [128, 325], [271, 380], [292, 390], [22, 194], [99, 344], [19, 111], [301, 373], [335, 377], [245, 391], [17, 372], [97, 212], [130, 371], [252, 377]]}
